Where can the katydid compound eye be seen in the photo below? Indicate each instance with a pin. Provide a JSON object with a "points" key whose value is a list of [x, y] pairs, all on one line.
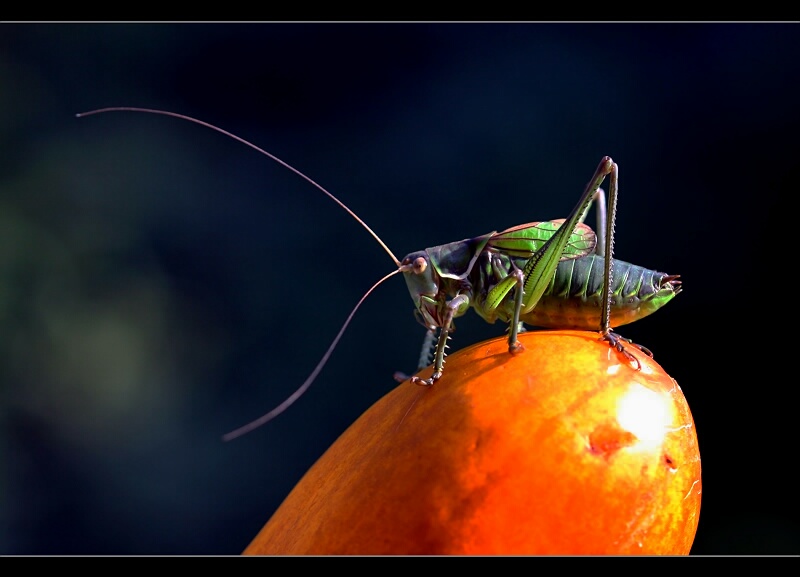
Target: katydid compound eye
{"points": [[420, 264]]}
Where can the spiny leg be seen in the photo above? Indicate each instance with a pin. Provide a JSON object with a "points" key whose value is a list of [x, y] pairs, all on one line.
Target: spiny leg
{"points": [[444, 335], [605, 235]]}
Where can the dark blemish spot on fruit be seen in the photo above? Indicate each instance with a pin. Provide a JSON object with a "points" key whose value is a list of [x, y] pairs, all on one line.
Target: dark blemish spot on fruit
{"points": [[608, 438]]}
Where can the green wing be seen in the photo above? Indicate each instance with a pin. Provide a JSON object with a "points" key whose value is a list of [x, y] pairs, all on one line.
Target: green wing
{"points": [[524, 240], [562, 243]]}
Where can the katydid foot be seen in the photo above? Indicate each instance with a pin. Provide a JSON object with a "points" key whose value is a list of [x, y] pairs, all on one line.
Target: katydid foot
{"points": [[618, 342], [427, 382], [401, 377]]}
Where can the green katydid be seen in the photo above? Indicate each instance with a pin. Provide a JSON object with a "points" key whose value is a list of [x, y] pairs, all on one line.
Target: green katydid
{"points": [[551, 274]]}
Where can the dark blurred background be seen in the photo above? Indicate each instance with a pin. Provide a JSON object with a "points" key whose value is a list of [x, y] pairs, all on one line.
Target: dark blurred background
{"points": [[162, 285]]}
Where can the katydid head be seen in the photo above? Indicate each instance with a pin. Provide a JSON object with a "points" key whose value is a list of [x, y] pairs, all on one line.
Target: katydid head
{"points": [[422, 281], [426, 271]]}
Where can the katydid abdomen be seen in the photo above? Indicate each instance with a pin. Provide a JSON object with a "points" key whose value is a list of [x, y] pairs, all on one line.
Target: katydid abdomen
{"points": [[574, 298]]}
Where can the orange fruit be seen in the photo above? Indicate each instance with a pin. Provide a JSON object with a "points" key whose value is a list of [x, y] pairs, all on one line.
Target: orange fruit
{"points": [[562, 449]]}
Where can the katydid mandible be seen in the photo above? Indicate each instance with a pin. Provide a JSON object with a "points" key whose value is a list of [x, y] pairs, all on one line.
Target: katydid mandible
{"points": [[553, 274]]}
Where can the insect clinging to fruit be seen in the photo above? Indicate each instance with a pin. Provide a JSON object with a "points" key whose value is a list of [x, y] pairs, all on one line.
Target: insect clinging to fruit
{"points": [[551, 274]]}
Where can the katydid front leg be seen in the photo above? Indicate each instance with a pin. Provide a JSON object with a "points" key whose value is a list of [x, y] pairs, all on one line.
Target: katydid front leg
{"points": [[459, 302]]}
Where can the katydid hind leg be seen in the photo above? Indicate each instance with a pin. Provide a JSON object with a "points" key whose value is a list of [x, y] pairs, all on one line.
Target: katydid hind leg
{"points": [[541, 267], [606, 235], [599, 203]]}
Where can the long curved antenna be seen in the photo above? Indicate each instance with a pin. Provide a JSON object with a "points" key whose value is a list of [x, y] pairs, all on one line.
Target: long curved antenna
{"points": [[400, 267], [251, 145], [304, 387]]}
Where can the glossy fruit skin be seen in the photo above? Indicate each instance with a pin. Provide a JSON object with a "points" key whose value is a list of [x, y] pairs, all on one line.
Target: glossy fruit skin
{"points": [[561, 449]]}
